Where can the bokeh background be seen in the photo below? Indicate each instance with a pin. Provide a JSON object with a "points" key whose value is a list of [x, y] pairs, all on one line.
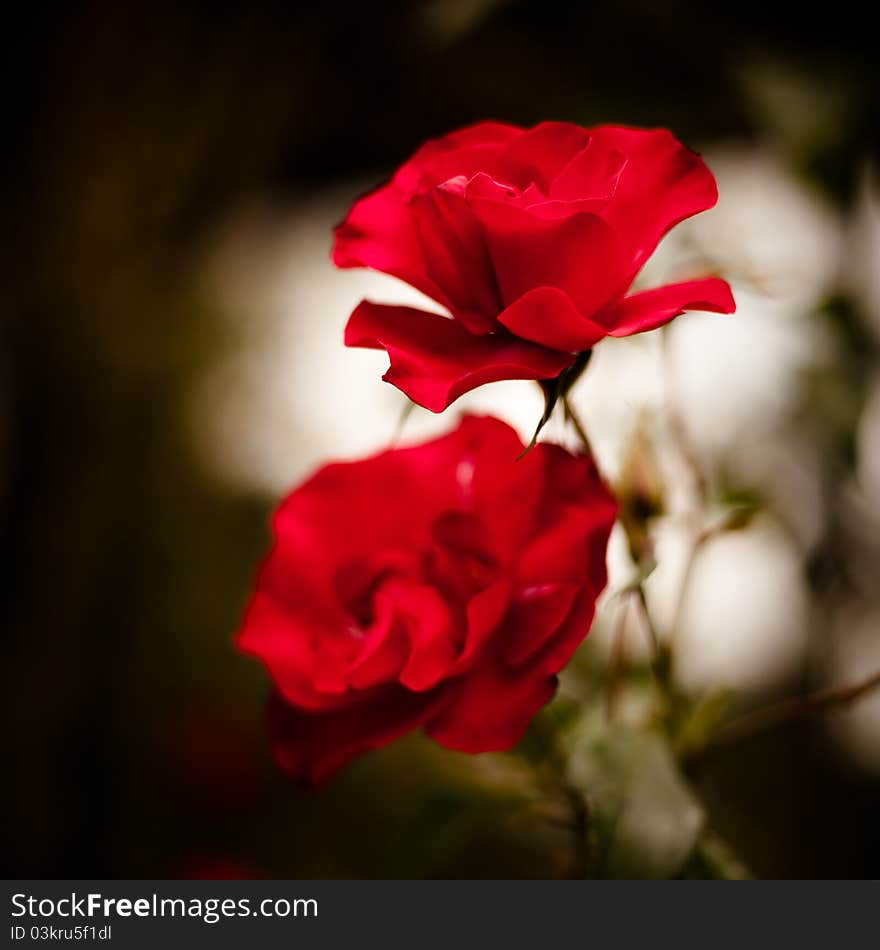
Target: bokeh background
{"points": [[171, 362]]}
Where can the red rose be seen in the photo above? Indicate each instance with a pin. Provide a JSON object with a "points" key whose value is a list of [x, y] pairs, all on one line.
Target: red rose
{"points": [[439, 586], [531, 239]]}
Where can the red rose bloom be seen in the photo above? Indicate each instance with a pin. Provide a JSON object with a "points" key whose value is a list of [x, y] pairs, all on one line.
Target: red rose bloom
{"points": [[440, 586], [531, 240]]}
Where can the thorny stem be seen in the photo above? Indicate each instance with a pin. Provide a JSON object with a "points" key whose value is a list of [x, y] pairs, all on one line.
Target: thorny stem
{"points": [[577, 425], [657, 662], [615, 662], [770, 717], [405, 413], [683, 589]]}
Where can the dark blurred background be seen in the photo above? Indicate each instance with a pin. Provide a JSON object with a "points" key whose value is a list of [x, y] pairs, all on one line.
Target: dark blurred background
{"points": [[135, 133]]}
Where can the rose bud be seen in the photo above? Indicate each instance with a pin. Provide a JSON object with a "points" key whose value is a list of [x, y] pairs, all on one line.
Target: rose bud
{"points": [[440, 586], [530, 239]]}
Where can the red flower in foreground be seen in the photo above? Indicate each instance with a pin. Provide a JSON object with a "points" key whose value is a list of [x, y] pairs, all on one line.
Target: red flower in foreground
{"points": [[531, 240], [439, 586]]}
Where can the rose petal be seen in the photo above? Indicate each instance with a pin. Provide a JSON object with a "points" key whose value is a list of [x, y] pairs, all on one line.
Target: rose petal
{"points": [[592, 173], [554, 209], [650, 309], [661, 184], [383, 650], [453, 154], [535, 615], [507, 491], [572, 548], [459, 164], [432, 638], [484, 612], [547, 316], [489, 709], [456, 256], [502, 490], [574, 523], [311, 747], [435, 360], [379, 233], [313, 527], [577, 254], [540, 153], [557, 650], [575, 480], [284, 642]]}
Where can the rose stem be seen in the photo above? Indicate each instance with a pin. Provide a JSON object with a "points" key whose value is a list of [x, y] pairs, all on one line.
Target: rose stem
{"points": [[777, 714]]}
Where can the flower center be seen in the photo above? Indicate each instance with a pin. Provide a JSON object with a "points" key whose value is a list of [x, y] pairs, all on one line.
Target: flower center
{"points": [[358, 584], [460, 562]]}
